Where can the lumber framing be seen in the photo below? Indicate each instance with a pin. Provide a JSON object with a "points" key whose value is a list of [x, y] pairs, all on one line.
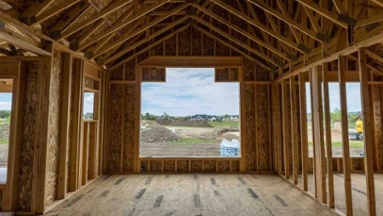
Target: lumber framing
{"points": [[345, 142], [55, 52]]}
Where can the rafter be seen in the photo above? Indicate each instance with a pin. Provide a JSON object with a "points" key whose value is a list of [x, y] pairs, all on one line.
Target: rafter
{"points": [[152, 36], [338, 5], [378, 2], [232, 47], [324, 12], [365, 42], [5, 36], [54, 11], [118, 26], [236, 41], [144, 28], [108, 10], [302, 48], [68, 19], [158, 41], [243, 32], [85, 34], [35, 9], [288, 20]]}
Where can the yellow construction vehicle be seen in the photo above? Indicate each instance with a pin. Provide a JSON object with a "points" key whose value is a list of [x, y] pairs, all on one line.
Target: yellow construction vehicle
{"points": [[359, 124], [358, 135]]}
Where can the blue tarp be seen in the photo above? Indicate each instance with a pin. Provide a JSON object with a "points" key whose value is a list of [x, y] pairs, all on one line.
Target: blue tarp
{"points": [[230, 149]]}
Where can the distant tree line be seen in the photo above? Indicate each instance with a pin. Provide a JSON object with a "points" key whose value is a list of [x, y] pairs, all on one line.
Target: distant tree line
{"points": [[5, 114], [335, 116]]}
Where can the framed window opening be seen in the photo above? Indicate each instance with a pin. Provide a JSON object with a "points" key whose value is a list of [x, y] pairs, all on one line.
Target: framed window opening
{"points": [[178, 126]]}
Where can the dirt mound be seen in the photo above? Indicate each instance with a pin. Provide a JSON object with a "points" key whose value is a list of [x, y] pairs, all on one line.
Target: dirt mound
{"points": [[4, 131], [183, 123], [227, 130], [157, 134], [230, 137]]}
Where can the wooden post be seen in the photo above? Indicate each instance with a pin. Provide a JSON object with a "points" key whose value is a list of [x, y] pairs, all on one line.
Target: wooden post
{"points": [[286, 137], [346, 146], [326, 98], [76, 121], [64, 126], [294, 128], [138, 119], [320, 163], [15, 138], [367, 132], [304, 141], [256, 153], [85, 152], [243, 161], [313, 129]]}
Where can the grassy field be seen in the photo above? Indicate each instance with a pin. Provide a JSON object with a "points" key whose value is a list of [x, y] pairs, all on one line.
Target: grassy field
{"points": [[353, 144], [3, 141], [7, 120], [187, 141], [227, 124]]}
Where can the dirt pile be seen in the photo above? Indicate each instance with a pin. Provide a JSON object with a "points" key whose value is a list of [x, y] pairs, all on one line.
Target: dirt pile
{"points": [[183, 123], [158, 134], [4, 131]]}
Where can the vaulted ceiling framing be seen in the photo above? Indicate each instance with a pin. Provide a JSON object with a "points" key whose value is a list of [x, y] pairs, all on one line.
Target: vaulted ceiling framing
{"points": [[284, 36]]}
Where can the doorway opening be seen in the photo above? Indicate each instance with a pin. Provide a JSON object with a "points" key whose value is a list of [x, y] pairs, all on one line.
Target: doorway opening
{"points": [[190, 115], [5, 123]]}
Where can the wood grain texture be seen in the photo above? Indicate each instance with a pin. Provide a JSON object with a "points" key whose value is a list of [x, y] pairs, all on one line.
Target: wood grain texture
{"points": [[53, 144], [28, 142]]}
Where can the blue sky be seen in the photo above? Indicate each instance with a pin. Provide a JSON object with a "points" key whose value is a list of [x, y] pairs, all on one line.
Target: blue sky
{"points": [[352, 92], [193, 91], [190, 91], [5, 101]]}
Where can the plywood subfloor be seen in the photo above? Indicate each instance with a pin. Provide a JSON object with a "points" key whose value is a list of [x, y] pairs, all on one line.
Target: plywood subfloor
{"points": [[188, 194], [358, 189]]}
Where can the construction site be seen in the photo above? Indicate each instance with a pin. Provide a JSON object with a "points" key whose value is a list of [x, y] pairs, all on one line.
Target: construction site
{"points": [[309, 131]]}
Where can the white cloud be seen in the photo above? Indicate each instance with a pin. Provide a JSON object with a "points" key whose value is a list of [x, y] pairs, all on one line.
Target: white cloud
{"points": [[88, 103], [5, 105], [188, 92]]}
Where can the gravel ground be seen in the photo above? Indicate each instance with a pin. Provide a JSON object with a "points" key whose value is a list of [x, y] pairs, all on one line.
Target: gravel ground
{"points": [[172, 150], [3, 155]]}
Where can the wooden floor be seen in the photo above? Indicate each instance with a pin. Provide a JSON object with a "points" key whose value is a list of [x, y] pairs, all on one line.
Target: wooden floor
{"points": [[188, 194], [359, 199]]}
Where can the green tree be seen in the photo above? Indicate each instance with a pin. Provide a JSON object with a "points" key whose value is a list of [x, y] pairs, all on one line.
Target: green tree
{"points": [[5, 113], [335, 115]]}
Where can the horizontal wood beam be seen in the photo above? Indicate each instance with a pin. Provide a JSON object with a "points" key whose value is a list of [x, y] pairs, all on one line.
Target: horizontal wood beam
{"points": [[347, 51], [5, 88], [22, 43], [195, 61]]}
